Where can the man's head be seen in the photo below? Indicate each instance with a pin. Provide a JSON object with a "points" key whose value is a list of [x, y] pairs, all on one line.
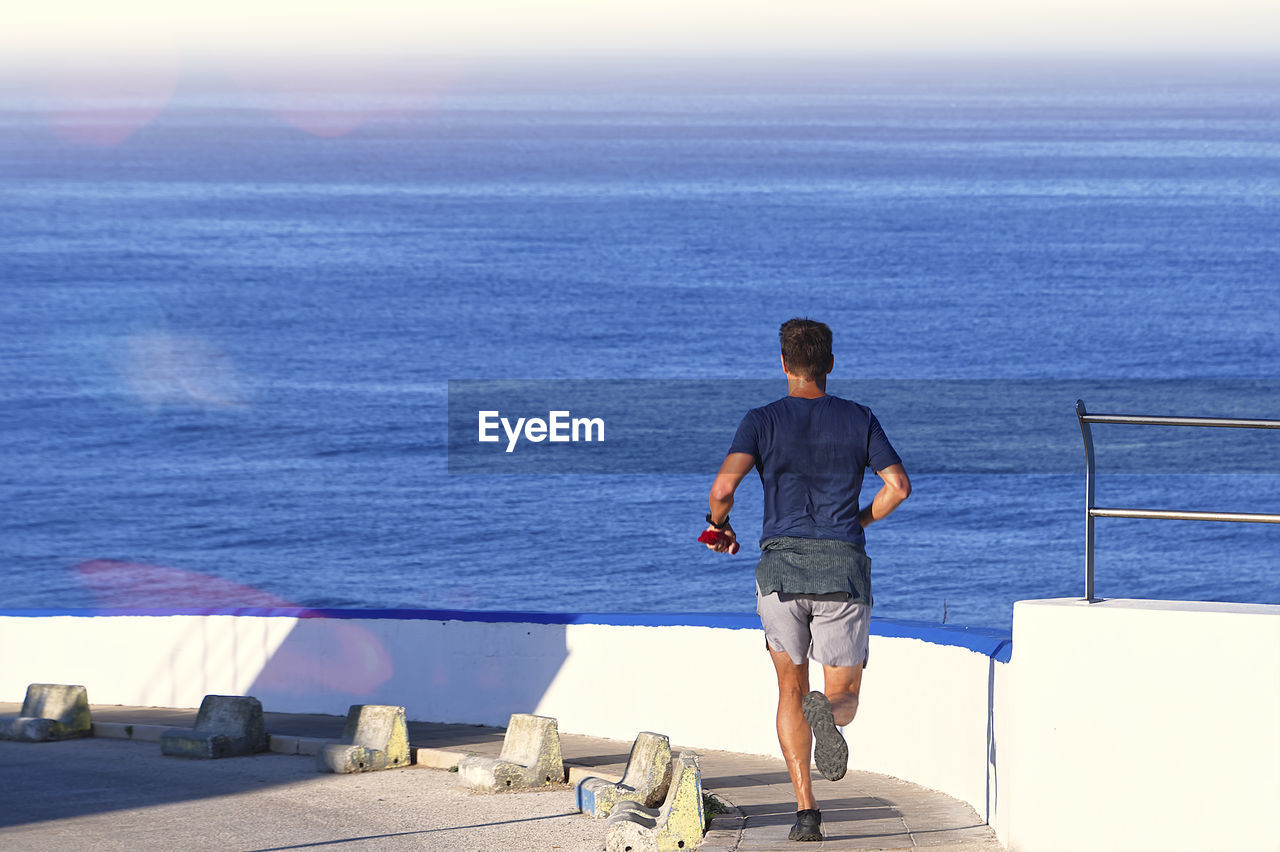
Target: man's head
{"points": [[806, 348]]}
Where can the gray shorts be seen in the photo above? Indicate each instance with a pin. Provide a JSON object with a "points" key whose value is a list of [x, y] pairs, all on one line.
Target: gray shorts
{"points": [[829, 628]]}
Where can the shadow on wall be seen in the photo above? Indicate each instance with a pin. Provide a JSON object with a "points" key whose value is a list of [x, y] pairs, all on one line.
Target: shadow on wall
{"points": [[993, 778], [443, 666], [464, 667]]}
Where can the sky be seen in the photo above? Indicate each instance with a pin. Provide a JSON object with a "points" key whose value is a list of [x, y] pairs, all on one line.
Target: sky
{"points": [[76, 29]]}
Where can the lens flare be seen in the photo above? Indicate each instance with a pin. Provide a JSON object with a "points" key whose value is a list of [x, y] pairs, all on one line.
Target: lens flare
{"points": [[102, 102], [160, 368], [333, 96], [336, 655]]}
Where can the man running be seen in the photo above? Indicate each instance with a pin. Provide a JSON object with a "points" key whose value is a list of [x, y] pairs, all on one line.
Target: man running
{"points": [[813, 580]]}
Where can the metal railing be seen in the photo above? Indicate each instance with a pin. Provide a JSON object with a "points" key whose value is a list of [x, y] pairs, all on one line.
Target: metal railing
{"points": [[1092, 511]]}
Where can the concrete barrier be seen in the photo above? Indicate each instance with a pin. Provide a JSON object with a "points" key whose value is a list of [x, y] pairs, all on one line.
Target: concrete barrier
{"points": [[677, 825], [645, 780], [375, 737], [50, 711], [226, 726], [530, 758]]}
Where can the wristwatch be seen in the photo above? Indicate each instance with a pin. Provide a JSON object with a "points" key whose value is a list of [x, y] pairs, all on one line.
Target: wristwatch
{"points": [[720, 526]]}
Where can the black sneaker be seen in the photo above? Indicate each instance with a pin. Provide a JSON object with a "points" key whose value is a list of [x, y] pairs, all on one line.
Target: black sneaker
{"points": [[808, 825], [830, 751]]}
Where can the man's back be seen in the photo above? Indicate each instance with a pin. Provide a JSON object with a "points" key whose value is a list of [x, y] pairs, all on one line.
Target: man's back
{"points": [[811, 455]]}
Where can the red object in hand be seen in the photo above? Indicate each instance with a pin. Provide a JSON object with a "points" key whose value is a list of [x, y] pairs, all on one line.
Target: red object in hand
{"points": [[715, 537]]}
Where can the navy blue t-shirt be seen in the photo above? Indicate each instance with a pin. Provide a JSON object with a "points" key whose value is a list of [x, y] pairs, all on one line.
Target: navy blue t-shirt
{"points": [[811, 455]]}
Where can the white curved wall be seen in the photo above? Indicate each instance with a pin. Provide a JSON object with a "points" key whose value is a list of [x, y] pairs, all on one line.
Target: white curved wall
{"points": [[923, 716]]}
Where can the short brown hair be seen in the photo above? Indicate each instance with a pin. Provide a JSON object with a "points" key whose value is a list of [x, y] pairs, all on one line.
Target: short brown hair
{"points": [[806, 348]]}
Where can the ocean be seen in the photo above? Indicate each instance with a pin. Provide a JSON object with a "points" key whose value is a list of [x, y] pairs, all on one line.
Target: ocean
{"points": [[243, 345]]}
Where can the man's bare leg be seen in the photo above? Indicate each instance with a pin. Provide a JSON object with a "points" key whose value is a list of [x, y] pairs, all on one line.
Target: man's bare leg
{"points": [[830, 749], [793, 731], [841, 685]]}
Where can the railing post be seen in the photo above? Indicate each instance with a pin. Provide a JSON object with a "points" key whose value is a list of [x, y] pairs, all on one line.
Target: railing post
{"points": [[1091, 511], [1088, 501]]}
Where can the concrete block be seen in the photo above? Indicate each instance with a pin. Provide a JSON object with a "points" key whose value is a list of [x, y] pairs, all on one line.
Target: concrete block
{"points": [[530, 758], [577, 774], [374, 737], [310, 746], [26, 729], [148, 733], [282, 744], [129, 731], [51, 711], [226, 726], [645, 780], [677, 825], [437, 758]]}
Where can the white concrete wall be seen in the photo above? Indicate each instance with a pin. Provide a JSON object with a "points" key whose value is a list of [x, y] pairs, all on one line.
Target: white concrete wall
{"points": [[1144, 725], [923, 716], [149, 662]]}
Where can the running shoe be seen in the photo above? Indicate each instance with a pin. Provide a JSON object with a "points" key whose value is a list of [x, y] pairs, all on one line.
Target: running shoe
{"points": [[808, 825], [830, 751]]}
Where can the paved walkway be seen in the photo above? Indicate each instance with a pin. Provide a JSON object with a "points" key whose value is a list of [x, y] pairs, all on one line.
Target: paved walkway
{"points": [[110, 792]]}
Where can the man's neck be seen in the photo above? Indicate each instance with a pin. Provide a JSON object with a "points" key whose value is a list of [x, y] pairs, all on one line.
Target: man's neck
{"points": [[806, 389]]}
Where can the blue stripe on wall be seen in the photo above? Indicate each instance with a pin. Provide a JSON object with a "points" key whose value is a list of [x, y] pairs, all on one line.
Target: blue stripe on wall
{"points": [[997, 644]]}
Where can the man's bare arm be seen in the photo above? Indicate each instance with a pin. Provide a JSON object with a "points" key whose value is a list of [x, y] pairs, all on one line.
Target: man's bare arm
{"points": [[896, 488], [735, 467]]}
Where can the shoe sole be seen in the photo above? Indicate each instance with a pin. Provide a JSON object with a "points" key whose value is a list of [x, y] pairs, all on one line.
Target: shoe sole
{"points": [[830, 751]]}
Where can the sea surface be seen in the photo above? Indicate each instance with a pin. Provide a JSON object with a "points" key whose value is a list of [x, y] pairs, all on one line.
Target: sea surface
{"points": [[243, 341]]}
